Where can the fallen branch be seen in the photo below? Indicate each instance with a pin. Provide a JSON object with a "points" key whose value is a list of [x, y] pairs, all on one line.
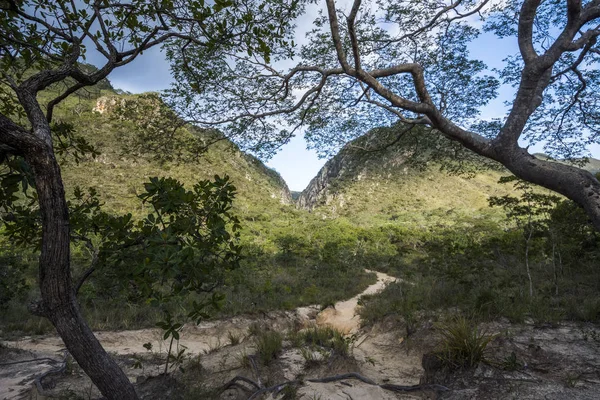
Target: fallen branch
{"points": [[256, 373], [350, 375], [274, 388], [234, 381], [50, 360], [56, 371]]}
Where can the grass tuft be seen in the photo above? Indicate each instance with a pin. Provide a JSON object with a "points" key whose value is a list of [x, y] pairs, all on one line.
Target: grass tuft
{"points": [[268, 346], [463, 345]]}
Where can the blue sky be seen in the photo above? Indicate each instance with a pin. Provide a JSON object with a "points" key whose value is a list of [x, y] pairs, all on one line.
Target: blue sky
{"points": [[294, 162]]}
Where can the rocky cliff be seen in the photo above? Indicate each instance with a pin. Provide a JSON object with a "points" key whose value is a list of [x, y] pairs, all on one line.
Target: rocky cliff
{"points": [[374, 156]]}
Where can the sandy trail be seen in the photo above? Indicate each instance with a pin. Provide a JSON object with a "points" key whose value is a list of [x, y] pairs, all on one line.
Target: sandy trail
{"points": [[16, 381], [343, 316]]}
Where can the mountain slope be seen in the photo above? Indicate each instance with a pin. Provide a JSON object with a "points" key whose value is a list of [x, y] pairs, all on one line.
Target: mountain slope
{"points": [[119, 174], [420, 179]]}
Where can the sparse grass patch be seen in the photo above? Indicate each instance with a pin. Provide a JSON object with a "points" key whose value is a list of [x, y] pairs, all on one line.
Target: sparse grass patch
{"points": [[326, 337], [244, 359], [256, 328], [268, 346], [312, 358], [511, 362], [214, 346], [234, 338]]}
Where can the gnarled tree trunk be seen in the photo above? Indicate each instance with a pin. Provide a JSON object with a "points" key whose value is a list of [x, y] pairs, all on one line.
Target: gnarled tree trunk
{"points": [[59, 303]]}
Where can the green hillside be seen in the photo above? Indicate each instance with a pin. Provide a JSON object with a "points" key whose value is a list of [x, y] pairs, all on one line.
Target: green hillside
{"points": [[420, 180], [403, 184], [119, 176]]}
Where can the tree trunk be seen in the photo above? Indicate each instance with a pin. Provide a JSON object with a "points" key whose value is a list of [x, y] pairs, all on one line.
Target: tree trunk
{"points": [[574, 183], [59, 303], [527, 241], [554, 269]]}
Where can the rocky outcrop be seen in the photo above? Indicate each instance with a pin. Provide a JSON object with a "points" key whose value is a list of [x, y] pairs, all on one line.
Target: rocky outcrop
{"points": [[283, 194], [355, 161], [279, 187], [318, 187], [108, 103]]}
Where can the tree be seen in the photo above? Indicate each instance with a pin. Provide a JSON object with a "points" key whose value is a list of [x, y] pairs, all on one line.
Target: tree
{"points": [[399, 61], [43, 43], [531, 213]]}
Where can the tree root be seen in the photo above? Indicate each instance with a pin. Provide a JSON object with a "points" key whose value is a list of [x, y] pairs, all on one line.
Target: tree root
{"points": [[50, 360], [234, 382], [351, 375], [38, 381], [56, 371]]}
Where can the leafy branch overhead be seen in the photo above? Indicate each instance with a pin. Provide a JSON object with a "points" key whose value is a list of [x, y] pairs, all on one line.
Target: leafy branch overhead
{"points": [[185, 244], [380, 63]]}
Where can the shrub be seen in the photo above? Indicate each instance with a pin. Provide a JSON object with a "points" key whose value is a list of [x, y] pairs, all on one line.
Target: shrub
{"points": [[463, 345], [326, 337]]}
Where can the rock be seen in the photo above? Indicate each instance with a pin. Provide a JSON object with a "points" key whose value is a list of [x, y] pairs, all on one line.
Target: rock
{"points": [[108, 103]]}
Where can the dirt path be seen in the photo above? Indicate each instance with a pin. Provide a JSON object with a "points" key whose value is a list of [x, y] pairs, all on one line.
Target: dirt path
{"points": [[206, 337], [343, 316]]}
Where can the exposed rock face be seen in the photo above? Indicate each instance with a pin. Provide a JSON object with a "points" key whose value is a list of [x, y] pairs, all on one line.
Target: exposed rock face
{"points": [[352, 163], [317, 188], [284, 194], [108, 103]]}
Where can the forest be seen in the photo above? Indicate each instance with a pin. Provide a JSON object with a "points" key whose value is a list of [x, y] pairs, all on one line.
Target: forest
{"points": [[146, 250]]}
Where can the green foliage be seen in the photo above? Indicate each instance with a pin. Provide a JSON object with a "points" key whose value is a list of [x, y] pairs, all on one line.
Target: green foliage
{"points": [[268, 346], [511, 362], [158, 131], [529, 211], [463, 345], [327, 338], [13, 283], [171, 329]]}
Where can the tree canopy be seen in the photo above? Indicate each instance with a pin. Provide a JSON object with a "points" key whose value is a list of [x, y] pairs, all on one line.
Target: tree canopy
{"points": [[380, 63]]}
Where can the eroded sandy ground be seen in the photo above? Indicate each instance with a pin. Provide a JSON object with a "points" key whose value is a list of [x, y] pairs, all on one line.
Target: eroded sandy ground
{"points": [[525, 361]]}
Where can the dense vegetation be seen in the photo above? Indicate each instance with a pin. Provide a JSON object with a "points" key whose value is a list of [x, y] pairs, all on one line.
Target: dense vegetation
{"points": [[436, 230]]}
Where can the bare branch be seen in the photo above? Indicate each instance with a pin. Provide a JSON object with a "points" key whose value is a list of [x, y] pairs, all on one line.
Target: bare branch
{"points": [[352, 32], [525, 35], [335, 34]]}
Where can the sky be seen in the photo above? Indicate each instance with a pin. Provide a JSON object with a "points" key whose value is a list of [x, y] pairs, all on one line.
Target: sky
{"points": [[294, 162]]}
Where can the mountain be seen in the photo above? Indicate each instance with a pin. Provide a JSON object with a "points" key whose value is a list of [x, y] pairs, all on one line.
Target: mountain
{"points": [[416, 177], [128, 157], [591, 164]]}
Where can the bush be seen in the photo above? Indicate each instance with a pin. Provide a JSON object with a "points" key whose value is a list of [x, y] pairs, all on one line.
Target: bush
{"points": [[463, 345], [326, 337]]}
